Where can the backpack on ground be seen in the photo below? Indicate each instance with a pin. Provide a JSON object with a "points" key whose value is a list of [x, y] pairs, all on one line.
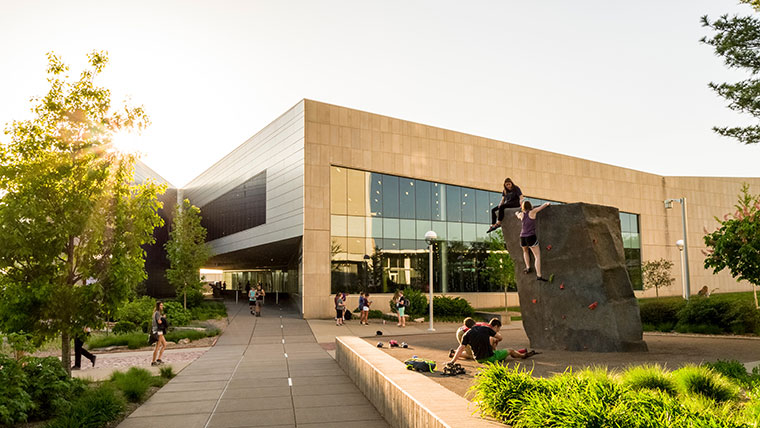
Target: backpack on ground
{"points": [[420, 365]]}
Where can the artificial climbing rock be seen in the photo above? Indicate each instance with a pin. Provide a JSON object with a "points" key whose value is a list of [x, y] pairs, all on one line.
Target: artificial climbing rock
{"points": [[587, 252]]}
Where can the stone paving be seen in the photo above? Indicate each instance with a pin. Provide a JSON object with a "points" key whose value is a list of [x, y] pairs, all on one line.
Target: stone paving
{"points": [[108, 363], [266, 371]]}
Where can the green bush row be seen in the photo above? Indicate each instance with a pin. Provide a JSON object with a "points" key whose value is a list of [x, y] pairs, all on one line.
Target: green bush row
{"points": [[135, 340], [713, 315], [646, 396], [139, 312], [443, 306]]}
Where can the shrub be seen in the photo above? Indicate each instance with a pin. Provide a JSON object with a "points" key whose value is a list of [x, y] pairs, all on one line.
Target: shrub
{"points": [[694, 380], [15, 402], [137, 311], [132, 340], [133, 384], [208, 310], [177, 335], [649, 377], [49, 386], [722, 314], [661, 311], [194, 298], [418, 303], [501, 392], [452, 306], [176, 314], [124, 327], [166, 372], [93, 409], [734, 370]]}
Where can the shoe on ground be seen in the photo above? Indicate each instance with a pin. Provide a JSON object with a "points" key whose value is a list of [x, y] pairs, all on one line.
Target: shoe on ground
{"points": [[541, 278], [528, 270], [154, 363], [76, 368], [93, 360], [159, 362], [451, 353]]}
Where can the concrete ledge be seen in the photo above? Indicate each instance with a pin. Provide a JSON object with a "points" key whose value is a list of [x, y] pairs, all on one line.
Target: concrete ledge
{"points": [[404, 398]]}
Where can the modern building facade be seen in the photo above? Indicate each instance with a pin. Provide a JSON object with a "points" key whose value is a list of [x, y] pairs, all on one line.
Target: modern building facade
{"points": [[327, 199]]}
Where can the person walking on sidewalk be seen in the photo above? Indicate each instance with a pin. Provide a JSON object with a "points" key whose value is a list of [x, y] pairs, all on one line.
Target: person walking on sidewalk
{"points": [[79, 350], [158, 329], [401, 304], [259, 299]]}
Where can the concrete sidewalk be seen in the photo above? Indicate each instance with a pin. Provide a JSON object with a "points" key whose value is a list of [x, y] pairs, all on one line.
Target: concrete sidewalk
{"points": [[267, 371]]}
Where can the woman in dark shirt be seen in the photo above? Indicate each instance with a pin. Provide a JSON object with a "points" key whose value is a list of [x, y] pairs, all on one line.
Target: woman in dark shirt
{"points": [[511, 197]]}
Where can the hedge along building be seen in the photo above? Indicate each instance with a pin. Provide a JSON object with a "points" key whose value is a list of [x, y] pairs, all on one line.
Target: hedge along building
{"points": [[327, 199]]}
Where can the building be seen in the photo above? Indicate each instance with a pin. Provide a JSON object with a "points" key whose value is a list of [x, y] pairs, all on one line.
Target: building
{"points": [[327, 199]]}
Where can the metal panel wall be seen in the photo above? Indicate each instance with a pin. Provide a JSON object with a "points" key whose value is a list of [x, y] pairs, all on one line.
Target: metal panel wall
{"points": [[277, 149]]}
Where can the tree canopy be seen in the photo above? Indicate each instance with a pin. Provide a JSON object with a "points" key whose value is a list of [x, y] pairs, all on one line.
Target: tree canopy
{"points": [[737, 40], [186, 250], [72, 220], [657, 275], [736, 244]]}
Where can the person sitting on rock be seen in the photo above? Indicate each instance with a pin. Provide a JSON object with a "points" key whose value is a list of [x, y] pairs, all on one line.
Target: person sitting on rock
{"points": [[528, 238], [483, 340], [511, 197]]}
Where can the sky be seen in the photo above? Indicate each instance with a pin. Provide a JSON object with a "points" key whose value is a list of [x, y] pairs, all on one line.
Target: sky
{"points": [[624, 83]]}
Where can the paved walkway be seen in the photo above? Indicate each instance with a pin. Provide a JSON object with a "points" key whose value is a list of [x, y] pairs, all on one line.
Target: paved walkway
{"points": [[267, 371]]}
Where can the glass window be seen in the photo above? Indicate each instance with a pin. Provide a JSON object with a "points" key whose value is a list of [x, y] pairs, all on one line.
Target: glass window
{"points": [[495, 198], [635, 240], [374, 227], [423, 226], [454, 231], [356, 226], [408, 244], [439, 227], [376, 194], [635, 223], [624, 222], [408, 229], [390, 196], [469, 232], [406, 198], [356, 192], [468, 205], [339, 248], [338, 225], [357, 246], [483, 207], [390, 228], [338, 186], [390, 244], [423, 199], [438, 206], [453, 203]]}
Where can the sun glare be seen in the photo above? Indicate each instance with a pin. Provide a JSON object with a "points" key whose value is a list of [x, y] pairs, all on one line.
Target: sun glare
{"points": [[128, 143]]}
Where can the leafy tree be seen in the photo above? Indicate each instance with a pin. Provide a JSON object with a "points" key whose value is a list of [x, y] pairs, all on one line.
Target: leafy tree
{"points": [[736, 244], [186, 250], [737, 40], [71, 219], [657, 274], [500, 268]]}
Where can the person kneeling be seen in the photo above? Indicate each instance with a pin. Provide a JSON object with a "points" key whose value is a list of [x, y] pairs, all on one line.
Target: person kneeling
{"points": [[483, 341]]}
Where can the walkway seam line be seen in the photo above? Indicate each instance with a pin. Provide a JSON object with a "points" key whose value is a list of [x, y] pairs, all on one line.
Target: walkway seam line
{"points": [[227, 384]]}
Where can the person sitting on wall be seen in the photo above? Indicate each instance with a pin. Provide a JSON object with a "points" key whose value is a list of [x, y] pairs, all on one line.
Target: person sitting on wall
{"points": [[483, 340]]}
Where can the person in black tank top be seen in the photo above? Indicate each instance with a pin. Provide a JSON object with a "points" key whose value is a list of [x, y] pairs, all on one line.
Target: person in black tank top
{"points": [[511, 197], [528, 238]]}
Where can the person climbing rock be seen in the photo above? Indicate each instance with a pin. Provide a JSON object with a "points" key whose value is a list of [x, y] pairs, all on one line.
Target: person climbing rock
{"points": [[528, 238]]}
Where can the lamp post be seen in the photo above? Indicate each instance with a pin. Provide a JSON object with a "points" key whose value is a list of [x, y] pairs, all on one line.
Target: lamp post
{"points": [[682, 246], [430, 237]]}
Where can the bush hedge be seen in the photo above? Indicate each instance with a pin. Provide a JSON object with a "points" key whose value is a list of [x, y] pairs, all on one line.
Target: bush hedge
{"points": [[646, 396], [137, 311], [444, 306], [418, 303], [124, 327], [93, 409], [719, 314], [176, 314]]}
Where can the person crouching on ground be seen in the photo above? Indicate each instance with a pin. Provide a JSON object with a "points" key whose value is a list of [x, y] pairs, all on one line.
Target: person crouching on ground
{"points": [[483, 340], [467, 324], [158, 329], [528, 238]]}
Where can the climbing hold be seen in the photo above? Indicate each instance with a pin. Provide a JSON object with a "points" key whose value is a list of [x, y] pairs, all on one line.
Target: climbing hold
{"points": [[562, 286], [534, 300], [593, 305], [549, 247], [564, 317], [551, 278], [594, 240]]}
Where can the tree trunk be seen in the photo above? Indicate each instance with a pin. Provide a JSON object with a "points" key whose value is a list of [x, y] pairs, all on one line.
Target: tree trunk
{"points": [[754, 293], [184, 297], [66, 352], [657, 292]]}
